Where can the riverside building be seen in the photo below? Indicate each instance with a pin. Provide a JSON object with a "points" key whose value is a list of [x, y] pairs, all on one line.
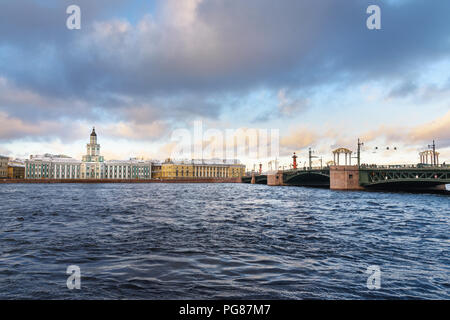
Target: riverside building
{"points": [[16, 169], [50, 166], [130, 169], [92, 166], [3, 166], [214, 168]]}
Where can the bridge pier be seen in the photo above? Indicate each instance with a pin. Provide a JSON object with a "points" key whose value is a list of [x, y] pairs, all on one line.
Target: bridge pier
{"points": [[344, 178], [275, 178], [253, 181]]}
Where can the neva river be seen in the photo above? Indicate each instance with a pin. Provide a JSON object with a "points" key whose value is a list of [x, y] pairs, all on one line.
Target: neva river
{"points": [[214, 241]]}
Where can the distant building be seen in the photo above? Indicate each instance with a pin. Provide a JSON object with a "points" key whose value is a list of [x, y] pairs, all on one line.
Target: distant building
{"points": [[4, 167], [128, 169], [156, 170], [214, 168], [16, 171], [50, 166], [93, 166], [93, 150]]}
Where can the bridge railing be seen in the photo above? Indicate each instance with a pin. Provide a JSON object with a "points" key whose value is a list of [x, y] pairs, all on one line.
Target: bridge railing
{"points": [[303, 169], [405, 166], [249, 174]]}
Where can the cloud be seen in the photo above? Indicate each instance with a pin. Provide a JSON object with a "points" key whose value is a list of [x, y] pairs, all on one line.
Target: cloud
{"points": [[290, 106], [14, 128], [390, 133], [422, 135], [136, 131], [439, 130], [297, 139], [4, 151], [220, 45], [167, 150], [30, 105], [179, 61], [404, 89]]}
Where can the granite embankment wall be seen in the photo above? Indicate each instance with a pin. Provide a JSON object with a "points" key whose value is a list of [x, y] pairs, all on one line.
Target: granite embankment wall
{"points": [[179, 180]]}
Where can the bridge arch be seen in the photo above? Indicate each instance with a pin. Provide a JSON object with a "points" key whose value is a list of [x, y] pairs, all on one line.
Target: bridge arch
{"points": [[308, 178]]}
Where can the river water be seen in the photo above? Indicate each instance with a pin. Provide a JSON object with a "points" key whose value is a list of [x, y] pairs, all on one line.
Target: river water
{"points": [[215, 241]]}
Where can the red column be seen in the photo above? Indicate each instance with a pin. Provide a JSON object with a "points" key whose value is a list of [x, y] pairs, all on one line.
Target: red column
{"points": [[294, 161]]}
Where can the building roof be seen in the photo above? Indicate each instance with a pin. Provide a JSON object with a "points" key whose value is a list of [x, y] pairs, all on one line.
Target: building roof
{"points": [[131, 161], [205, 161], [16, 165], [53, 158], [93, 134]]}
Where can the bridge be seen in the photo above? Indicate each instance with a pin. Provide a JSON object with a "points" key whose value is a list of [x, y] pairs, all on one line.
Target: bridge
{"points": [[394, 177], [427, 175]]}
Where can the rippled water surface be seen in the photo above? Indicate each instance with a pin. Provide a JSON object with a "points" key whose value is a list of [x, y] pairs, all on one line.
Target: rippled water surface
{"points": [[212, 241]]}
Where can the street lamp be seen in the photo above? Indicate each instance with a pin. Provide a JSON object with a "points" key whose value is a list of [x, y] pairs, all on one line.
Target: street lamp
{"points": [[360, 144], [433, 146], [310, 157]]}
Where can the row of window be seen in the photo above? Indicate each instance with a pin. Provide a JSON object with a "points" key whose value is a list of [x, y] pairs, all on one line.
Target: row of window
{"points": [[57, 171], [222, 172]]}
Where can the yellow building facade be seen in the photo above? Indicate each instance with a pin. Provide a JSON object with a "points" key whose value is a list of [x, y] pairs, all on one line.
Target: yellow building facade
{"points": [[16, 172], [156, 171], [201, 169]]}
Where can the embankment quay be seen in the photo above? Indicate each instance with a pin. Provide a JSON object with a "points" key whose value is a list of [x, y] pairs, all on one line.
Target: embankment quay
{"points": [[406, 178], [347, 177], [178, 180]]}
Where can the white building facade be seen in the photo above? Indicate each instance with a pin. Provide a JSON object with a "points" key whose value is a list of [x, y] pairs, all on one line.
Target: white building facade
{"points": [[92, 166], [49, 166], [131, 169]]}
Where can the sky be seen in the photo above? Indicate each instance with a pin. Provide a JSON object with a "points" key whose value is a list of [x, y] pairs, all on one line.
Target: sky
{"points": [[141, 71]]}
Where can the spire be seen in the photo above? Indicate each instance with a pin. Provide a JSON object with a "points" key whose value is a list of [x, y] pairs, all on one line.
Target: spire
{"points": [[93, 134]]}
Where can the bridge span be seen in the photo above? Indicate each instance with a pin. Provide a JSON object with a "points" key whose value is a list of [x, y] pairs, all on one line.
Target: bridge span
{"points": [[347, 177], [398, 177]]}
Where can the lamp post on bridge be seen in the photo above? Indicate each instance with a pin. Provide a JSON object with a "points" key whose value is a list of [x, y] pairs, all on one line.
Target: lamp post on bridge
{"points": [[360, 144], [433, 146], [310, 152]]}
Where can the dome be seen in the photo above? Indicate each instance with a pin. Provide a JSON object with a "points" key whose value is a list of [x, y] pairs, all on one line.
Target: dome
{"points": [[93, 134]]}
